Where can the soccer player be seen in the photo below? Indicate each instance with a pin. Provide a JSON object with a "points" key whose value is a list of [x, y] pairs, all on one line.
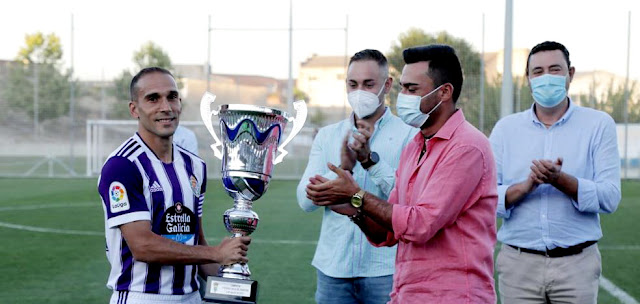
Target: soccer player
{"points": [[152, 192]]}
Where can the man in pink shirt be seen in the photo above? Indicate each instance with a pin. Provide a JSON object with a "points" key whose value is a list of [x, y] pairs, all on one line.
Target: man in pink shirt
{"points": [[441, 212]]}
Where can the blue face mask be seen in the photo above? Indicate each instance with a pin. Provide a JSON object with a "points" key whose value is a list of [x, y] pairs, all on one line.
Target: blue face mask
{"points": [[408, 107], [549, 90]]}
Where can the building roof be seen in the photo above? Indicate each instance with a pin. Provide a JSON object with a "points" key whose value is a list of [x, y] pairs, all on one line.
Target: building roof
{"points": [[250, 80], [193, 71], [316, 61]]}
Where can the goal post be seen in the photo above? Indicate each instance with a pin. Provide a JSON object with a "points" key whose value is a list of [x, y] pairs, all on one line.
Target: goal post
{"points": [[104, 136]]}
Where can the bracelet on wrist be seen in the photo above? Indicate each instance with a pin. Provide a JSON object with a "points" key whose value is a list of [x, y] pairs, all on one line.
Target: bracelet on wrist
{"points": [[357, 217]]}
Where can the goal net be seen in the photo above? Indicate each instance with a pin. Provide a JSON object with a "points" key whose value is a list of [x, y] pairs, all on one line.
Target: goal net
{"points": [[104, 136]]}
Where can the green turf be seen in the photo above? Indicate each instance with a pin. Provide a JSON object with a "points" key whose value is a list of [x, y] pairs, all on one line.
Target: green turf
{"points": [[620, 265], [42, 267]]}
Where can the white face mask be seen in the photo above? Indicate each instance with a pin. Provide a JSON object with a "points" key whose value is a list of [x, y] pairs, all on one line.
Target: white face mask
{"points": [[408, 107], [364, 103]]}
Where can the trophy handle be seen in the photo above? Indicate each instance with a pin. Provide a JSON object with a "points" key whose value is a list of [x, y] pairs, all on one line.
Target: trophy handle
{"points": [[301, 116], [205, 111]]}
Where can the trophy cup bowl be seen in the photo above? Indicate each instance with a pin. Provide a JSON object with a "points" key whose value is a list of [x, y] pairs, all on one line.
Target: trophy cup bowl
{"points": [[250, 143]]}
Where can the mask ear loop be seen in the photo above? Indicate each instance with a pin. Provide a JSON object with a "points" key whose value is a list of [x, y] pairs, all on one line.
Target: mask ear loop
{"points": [[432, 91], [382, 88], [434, 108]]}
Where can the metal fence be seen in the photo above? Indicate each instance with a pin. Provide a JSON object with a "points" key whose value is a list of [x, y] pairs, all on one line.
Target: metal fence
{"points": [[40, 139]]}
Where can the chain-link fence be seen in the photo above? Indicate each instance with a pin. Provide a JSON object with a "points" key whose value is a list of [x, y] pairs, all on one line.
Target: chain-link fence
{"points": [[39, 138]]}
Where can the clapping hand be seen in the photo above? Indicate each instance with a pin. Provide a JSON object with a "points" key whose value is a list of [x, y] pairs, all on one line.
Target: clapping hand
{"points": [[360, 144], [546, 171], [325, 192]]}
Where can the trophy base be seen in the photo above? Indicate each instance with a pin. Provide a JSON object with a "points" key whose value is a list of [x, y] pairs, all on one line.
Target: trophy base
{"points": [[230, 291]]}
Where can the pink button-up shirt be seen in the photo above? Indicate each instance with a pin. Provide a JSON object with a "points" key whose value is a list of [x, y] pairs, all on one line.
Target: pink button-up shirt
{"points": [[444, 218]]}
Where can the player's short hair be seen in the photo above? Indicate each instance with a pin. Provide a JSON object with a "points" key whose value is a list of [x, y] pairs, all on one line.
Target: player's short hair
{"points": [[133, 89], [375, 55], [549, 46], [444, 66]]}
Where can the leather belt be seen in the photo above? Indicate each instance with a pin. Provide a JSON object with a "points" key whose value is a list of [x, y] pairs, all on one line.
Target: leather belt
{"points": [[557, 252]]}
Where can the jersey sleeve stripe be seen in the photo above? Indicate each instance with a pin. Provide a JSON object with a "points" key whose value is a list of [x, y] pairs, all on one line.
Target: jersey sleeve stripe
{"points": [[126, 258], [128, 217]]}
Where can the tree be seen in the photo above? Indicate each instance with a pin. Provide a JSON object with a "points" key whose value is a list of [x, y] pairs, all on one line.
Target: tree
{"points": [[149, 55], [38, 69], [613, 102]]}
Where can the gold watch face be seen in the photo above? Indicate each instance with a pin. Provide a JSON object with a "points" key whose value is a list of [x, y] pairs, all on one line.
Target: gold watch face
{"points": [[356, 200]]}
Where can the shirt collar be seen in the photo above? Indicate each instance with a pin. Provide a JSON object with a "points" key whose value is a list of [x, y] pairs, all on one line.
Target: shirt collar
{"points": [[146, 147], [447, 130], [563, 119]]}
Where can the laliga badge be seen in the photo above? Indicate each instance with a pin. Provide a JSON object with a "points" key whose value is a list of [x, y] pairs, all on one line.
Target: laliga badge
{"points": [[118, 199]]}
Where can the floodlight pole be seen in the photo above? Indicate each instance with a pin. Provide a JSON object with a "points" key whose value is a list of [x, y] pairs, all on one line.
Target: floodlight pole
{"points": [[290, 80], [346, 67], [72, 102], [36, 92], [208, 69], [626, 101], [481, 118], [290, 29], [507, 83]]}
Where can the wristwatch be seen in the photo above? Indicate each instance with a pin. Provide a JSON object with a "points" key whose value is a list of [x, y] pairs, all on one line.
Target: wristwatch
{"points": [[373, 159], [356, 199]]}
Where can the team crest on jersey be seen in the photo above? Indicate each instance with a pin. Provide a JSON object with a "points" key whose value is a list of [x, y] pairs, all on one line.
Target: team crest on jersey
{"points": [[194, 185], [118, 199], [155, 187], [178, 223]]}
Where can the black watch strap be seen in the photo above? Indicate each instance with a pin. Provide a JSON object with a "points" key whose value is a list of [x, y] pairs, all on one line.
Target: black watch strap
{"points": [[371, 160], [350, 171]]}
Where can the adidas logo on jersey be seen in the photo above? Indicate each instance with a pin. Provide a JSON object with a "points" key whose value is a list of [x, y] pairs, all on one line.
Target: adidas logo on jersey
{"points": [[155, 187]]}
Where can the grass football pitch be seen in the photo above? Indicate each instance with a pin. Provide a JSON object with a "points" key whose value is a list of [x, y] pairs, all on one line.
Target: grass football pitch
{"points": [[52, 236]]}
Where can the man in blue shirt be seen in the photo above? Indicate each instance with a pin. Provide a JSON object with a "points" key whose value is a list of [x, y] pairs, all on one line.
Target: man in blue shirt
{"points": [[349, 268], [558, 169]]}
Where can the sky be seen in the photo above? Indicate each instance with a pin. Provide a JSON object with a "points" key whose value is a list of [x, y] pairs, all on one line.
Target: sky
{"points": [[250, 36]]}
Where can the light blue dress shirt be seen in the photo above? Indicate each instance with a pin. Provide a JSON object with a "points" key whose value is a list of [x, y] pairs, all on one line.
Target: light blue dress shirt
{"points": [[343, 251], [547, 218]]}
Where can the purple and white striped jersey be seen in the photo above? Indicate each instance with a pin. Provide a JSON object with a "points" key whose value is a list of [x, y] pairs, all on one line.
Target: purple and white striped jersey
{"points": [[135, 185]]}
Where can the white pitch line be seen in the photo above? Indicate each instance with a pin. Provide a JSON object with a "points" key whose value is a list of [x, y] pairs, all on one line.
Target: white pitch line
{"points": [[97, 233], [615, 291], [619, 247], [607, 285], [49, 230], [36, 207], [262, 241]]}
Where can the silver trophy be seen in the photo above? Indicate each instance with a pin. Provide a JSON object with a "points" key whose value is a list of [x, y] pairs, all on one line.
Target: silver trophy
{"points": [[250, 148]]}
